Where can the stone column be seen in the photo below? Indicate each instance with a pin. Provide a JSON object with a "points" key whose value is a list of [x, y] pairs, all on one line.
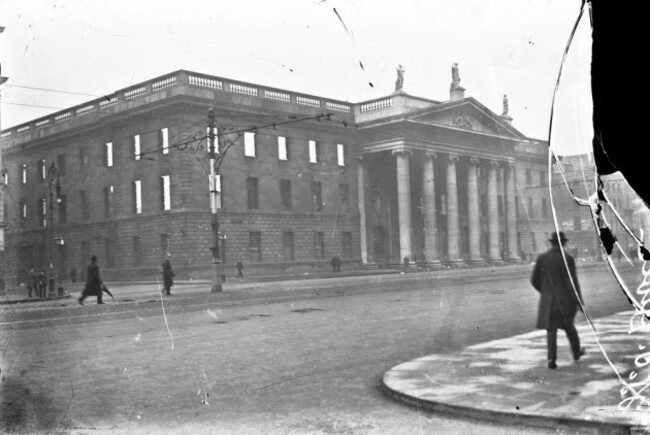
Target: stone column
{"points": [[473, 213], [511, 215], [430, 212], [404, 202], [493, 214], [361, 187], [453, 230]]}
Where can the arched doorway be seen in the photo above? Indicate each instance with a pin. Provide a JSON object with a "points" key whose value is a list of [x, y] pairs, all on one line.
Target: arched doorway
{"points": [[380, 242]]}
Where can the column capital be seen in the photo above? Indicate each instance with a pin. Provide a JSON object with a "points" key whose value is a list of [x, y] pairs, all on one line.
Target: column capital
{"points": [[360, 158], [494, 163], [452, 158], [474, 161], [402, 151], [431, 155]]}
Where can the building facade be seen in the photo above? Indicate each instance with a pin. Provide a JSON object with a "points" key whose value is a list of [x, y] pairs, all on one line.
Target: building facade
{"points": [[303, 178]]}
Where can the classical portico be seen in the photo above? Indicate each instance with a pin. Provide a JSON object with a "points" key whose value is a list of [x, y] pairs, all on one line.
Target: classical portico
{"points": [[437, 182]]}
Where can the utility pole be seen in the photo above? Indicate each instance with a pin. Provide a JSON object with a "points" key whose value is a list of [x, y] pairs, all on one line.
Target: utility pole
{"points": [[53, 183], [216, 261]]}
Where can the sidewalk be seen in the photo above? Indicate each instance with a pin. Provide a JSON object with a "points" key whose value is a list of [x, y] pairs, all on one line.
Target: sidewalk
{"points": [[508, 380], [19, 294], [150, 289]]}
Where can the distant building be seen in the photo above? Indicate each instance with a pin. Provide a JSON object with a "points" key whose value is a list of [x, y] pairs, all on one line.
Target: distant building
{"points": [[576, 221], [442, 183]]}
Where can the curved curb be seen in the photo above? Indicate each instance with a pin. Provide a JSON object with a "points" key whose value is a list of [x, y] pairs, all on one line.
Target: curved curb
{"points": [[498, 416]]}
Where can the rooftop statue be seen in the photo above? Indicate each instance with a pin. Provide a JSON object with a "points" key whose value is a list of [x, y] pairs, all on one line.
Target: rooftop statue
{"points": [[455, 79], [400, 78]]}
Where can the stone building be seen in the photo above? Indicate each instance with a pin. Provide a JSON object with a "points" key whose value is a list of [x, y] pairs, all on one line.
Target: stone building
{"points": [[303, 178]]}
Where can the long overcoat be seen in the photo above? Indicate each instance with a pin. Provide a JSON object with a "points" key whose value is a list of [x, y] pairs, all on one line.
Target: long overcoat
{"points": [[168, 274], [93, 281], [558, 303]]}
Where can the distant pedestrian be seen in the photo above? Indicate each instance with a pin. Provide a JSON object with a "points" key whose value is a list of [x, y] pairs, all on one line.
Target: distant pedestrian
{"points": [[338, 263], [240, 269], [168, 276], [333, 263], [32, 282], [93, 282], [559, 302], [42, 285]]}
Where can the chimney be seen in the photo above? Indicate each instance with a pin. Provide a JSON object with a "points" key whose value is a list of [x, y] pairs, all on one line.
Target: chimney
{"points": [[456, 91]]}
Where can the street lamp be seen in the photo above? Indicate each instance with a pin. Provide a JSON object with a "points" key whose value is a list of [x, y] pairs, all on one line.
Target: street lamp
{"points": [[53, 181]]}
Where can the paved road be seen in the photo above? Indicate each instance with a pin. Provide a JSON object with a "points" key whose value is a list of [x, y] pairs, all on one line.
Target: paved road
{"points": [[307, 364]]}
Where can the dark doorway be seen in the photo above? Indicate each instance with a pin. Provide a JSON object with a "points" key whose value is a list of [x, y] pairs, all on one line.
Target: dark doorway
{"points": [[380, 240]]}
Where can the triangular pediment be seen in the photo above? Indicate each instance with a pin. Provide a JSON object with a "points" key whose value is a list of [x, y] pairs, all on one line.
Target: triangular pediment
{"points": [[466, 114]]}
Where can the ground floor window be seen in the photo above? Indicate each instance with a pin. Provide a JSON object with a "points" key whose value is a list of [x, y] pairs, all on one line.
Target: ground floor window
{"points": [[319, 246], [287, 246]]}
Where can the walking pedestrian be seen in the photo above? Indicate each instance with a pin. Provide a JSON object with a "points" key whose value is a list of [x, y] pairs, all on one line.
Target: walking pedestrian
{"points": [[168, 276], [32, 282], [42, 285], [240, 269], [333, 263], [559, 302], [93, 282], [338, 263]]}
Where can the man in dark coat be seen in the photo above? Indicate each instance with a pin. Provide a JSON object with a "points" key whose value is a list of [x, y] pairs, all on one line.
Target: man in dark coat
{"points": [[32, 282], [168, 276], [93, 282], [42, 285], [558, 303], [240, 269]]}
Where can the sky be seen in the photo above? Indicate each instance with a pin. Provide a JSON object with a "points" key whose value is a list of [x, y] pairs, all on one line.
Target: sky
{"points": [[85, 49]]}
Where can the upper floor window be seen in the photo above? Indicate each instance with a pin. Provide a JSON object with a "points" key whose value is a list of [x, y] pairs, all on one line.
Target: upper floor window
{"points": [[314, 151], [249, 144], [85, 205], [23, 210], [137, 196], [316, 196], [283, 149], [108, 158], [42, 169], [253, 193], [42, 209], [529, 177], [164, 140], [5, 178], [344, 195], [63, 215], [60, 163], [166, 195], [136, 147], [83, 157], [285, 194], [108, 200], [340, 154], [24, 173]]}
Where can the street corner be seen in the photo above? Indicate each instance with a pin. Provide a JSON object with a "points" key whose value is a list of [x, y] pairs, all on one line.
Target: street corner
{"points": [[509, 379]]}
